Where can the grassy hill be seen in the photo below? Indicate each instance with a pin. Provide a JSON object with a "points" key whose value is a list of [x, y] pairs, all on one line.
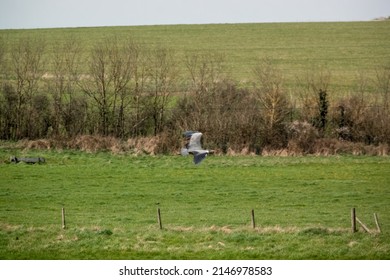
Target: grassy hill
{"points": [[344, 48]]}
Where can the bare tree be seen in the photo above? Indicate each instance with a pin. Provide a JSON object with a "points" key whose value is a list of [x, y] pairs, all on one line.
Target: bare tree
{"points": [[141, 71], [205, 72], [383, 118], [383, 85], [123, 59], [273, 103], [162, 84], [110, 72], [27, 70], [217, 105], [3, 50], [314, 96], [3, 122], [62, 84]]}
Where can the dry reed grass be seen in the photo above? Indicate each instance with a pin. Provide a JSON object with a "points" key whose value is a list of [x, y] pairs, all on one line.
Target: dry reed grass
{"points": [[92, 144], [297, 146]]}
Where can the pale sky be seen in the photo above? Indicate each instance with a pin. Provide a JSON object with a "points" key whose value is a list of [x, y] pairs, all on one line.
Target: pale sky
{"points": [[78, 13]]}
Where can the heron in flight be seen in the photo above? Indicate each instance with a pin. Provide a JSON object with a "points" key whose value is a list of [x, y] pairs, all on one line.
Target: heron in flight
{"points": [[194, 146]]}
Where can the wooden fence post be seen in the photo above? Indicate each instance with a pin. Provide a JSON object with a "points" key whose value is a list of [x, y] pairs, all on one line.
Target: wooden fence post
{"points": [[63, 218], [353, 220], [159, 218], [253, 218], [363, 225], [377, 223]]}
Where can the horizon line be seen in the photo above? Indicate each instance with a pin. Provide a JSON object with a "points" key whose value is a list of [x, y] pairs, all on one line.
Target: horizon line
{"points": [[210, 23]]}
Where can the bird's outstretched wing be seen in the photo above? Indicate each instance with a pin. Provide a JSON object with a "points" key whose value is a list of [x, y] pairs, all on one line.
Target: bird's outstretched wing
{"points": [[199, 156], [195, 142]]}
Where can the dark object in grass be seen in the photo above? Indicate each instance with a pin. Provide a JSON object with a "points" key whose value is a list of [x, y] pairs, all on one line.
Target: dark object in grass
{"points": [[107, 232], [28, 160]]}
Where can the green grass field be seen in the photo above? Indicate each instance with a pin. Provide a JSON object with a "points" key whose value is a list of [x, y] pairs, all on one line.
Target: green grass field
{"points": [[302, 207], [344, 48]]}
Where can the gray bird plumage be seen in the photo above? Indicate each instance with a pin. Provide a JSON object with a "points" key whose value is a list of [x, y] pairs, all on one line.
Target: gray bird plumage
{"points": [[194, 146]]}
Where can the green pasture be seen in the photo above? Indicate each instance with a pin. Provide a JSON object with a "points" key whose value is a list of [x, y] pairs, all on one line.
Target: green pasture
{"points": [[343, 48], [302, 207]]}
